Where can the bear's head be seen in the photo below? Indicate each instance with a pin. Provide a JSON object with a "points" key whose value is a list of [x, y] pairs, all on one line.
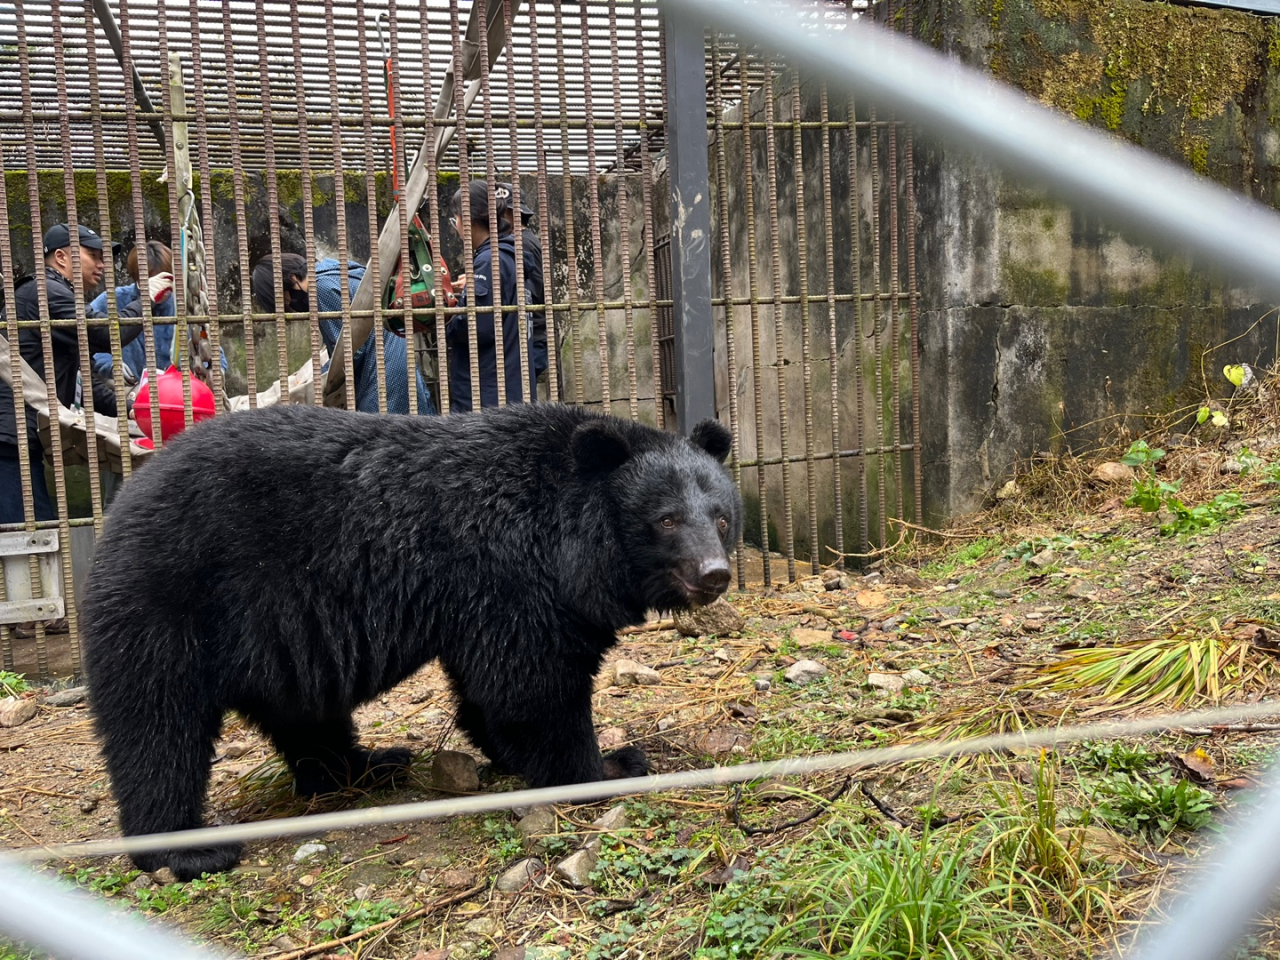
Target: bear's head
{"points": [[677, 512]]}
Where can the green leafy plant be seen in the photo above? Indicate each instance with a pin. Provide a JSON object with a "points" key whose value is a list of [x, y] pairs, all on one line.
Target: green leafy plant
{"points": [[1194, 519], [1027, 549], [163, 899], [739, 932], [12, 684], [1116, 756], [360, 916], [1153, 807], [505, 835]]}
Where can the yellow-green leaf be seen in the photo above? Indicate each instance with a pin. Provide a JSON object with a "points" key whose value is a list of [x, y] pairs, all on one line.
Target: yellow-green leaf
{"points": [[1234, 372]]}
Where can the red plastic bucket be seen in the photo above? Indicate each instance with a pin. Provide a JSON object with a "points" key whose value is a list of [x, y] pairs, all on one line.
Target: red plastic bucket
{"points": [[172, 421]]}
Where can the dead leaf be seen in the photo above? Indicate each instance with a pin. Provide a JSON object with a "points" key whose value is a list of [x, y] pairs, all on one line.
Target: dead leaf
{"points": [[1199, 764], [868, 599], [1238, 783], [719, 876], [741, 711], [724, 739], [442, 953]]}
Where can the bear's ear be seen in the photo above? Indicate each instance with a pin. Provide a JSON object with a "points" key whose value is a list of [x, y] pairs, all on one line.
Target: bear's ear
{"points": [[713, 437], [599, 447]]}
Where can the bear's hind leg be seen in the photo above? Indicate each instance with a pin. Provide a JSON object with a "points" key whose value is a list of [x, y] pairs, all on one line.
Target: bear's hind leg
{"points": [[159, 757], [326, 758]]}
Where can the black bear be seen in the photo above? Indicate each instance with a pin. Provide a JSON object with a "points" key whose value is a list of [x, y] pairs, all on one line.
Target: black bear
{"points": [[292, 563]]}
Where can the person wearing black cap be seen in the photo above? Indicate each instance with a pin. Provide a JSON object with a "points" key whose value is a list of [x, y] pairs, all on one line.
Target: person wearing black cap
{"points": [[66, 359], [531, 255], [480, 288]]}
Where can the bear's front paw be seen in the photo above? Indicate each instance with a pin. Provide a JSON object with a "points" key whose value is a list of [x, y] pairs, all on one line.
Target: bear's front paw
{"points": [[626, 762], [189, 865]]}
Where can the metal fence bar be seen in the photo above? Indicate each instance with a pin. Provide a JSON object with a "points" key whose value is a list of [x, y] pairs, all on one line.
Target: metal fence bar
{"points": [[522, 311], [441, 398], [373, 270], [623, 200], [806, 319], [340, 213], [570, 253], [554, 368], [833, 344], [593, 216], [686, 112]]}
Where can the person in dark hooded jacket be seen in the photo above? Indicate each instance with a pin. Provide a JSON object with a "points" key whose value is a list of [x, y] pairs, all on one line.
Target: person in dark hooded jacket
{"points": [[534, 290], [489, 295], [66, 359]]}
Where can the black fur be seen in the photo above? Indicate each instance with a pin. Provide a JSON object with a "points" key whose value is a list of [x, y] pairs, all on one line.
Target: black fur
{"points": [[293, 563]]}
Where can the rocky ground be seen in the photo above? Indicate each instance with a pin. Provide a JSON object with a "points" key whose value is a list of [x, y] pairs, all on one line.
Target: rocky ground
{"points": [[993, 627]]}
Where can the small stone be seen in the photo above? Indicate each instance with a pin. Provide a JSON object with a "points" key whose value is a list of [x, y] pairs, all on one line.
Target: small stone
{"points": [[805, 637], [629, 673], [455, 772], [485, 927], [455, 879], [666, 723], [1008, 491], [947, 612], [15, 712], [235, 751], [576, 868], [812, 585], [611, 738], [464, 950], [917, 678], [715, 619], [89, 804], [520, 875], [1002, 594], [309, 850], [614, 819], [723, 655], [761, 684], [364, 891], [414, 735], [805, 671], [1043, 559], [142, 881], [1081, 590], [1112, 472], [834, 580], [891, 682], [538, 822], [1032, 626], [66, 698], [284, 943], [889, 623]]}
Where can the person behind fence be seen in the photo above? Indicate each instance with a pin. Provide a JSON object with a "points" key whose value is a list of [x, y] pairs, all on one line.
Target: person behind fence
{"points": [[134, 355], [531, 255], [364, 362], [478, 290], [66, 359]]}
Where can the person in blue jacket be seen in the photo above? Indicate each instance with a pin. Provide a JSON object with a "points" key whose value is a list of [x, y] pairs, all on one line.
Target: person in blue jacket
{"points": [[328, 286], [478, 289], [159, 260]]}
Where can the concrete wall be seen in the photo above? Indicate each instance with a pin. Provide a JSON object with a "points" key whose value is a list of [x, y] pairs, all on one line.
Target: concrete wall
{"points": [[1043, 328]]}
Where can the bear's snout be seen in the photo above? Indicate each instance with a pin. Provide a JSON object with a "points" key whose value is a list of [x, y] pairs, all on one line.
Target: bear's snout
{"points": [[713, 577]]}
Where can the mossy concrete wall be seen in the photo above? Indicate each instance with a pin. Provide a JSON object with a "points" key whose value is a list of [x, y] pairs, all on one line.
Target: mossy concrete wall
{"points": [[1043, 328], [579, 329]]}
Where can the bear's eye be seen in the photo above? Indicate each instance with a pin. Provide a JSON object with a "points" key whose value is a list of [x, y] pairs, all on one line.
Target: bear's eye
{"points": [[723, 524], [668, 522]]}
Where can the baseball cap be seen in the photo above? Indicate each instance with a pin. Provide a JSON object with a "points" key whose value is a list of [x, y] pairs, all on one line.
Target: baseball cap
{"points": [[526, 214], [59, 236]]}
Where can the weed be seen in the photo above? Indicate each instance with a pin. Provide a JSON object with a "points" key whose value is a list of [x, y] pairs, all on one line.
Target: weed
{"points": [[622, 870], [895, 896], [163, 899], [1027, 549], [12, 684], [360, 916], [505, 835], [1151, 807], [737, 932], [1116, 756]]}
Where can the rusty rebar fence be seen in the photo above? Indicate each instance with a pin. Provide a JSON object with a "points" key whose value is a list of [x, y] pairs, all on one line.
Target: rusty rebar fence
{"points": [[279, 125]]}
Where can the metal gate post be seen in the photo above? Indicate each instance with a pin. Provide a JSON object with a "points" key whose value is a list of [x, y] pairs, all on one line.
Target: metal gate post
{"points": [[686, 120]]}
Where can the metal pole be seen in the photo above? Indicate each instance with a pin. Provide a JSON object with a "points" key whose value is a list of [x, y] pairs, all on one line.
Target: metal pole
{"points": [[687, 168], [108, 23]]}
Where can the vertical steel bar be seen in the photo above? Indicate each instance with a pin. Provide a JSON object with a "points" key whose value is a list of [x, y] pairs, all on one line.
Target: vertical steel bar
{"points": [[877, 370], [859, 389], [273, 205], [240, 211], [917, 481], [340, 209], [593, 207], [726, 271], [780, 347], [104, 222], [433, 212], [806, 347], [522, 315], [686, 119], [646, 199], [308, 199], [570, 253], [464, 185], [895, 198], [623, 200], [402, 211], [757, 351], [544, 212], [833, 344], [496, 312], [377, 348]]}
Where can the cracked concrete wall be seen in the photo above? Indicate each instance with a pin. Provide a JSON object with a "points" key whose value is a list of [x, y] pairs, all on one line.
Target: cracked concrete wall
{"points": [[1043, 328]]}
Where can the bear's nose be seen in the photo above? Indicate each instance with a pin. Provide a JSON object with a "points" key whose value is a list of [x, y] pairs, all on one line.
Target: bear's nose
{"points": [[713, 576]]}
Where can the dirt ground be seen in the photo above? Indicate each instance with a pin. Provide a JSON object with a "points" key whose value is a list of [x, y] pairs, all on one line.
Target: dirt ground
{"points": [[979, 612]]}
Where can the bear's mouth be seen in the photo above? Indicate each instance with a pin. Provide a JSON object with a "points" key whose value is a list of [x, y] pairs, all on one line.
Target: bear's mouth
{"points": [[696, 596]]}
